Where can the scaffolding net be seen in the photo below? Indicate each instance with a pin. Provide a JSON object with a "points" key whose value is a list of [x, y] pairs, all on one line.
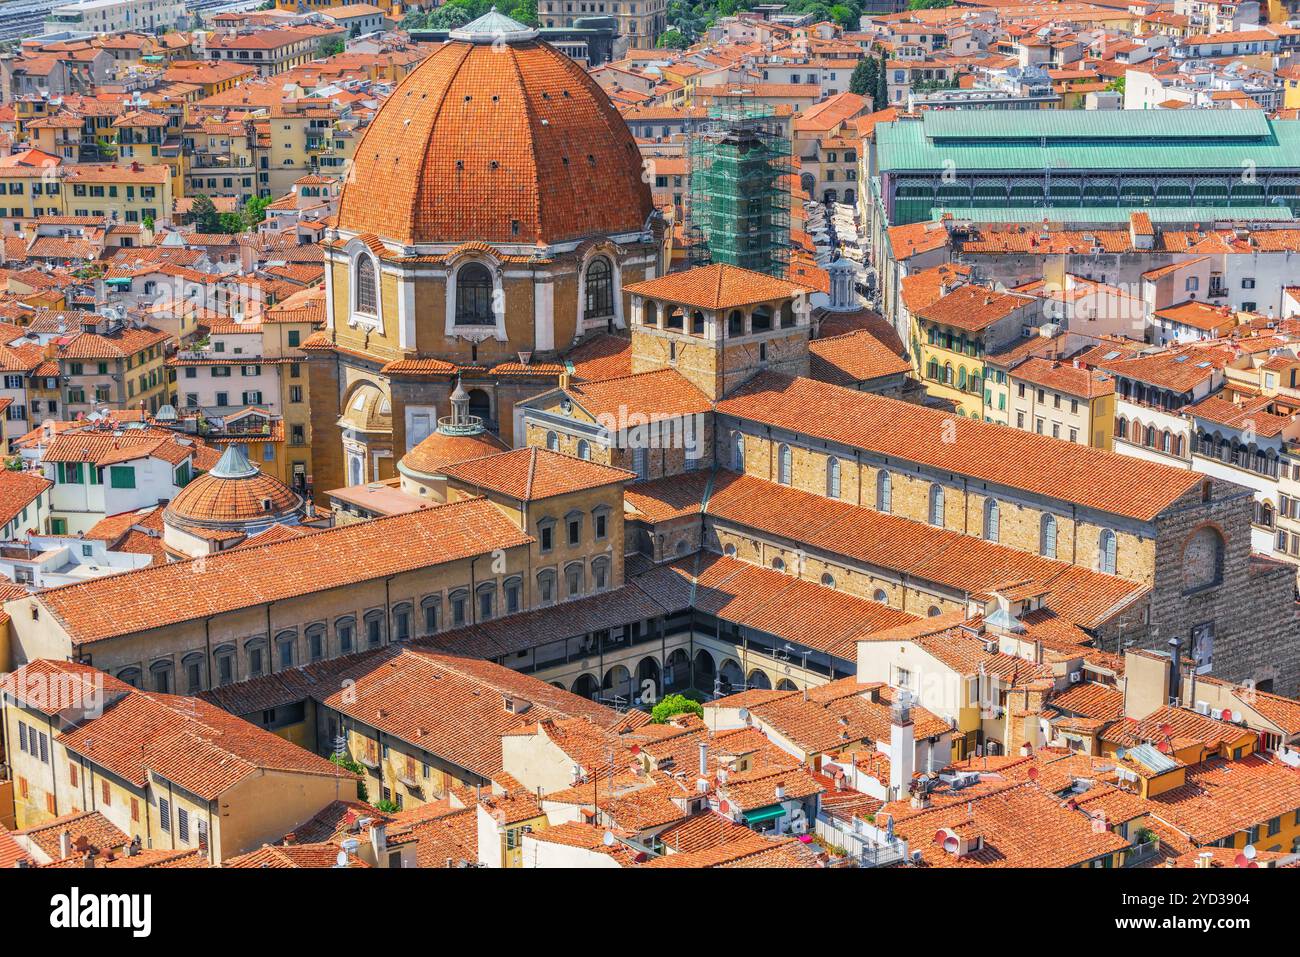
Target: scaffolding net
{"points": [[738, 205]]}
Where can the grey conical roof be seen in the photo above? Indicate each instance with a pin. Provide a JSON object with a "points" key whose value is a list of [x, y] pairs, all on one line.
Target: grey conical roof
{"points": [[493, 27], [234, 464]]}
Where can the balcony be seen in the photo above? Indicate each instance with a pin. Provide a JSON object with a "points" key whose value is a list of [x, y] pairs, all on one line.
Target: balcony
{"points": [[219, 161]]}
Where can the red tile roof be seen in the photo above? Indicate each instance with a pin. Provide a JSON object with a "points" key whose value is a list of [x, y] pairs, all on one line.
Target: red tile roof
{"points": [[529, 474], [719, 286], [978, 450], [162, 595]]}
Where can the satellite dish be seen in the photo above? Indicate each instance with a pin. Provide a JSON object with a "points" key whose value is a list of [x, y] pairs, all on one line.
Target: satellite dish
{"points": [[1241, 860], [608, 839], [1249, 852], [1033, 774], [1166, 730], [743, 713], [342, 859], [1227, 715], [951, 845], [636, 749]]}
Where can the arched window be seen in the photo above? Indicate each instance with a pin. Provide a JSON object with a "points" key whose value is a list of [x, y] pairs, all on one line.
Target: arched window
{"points": [[992, 520], [458, 607], [1121, 428], [778, 563], [402, 621], [833, 477], [828, 580], [192, 668], [366, 283], [786, 459], [161, 674], [729, 550], [546, 586], [284, 648], [584, 450], [316, 642], [255, 652], [884, 492], [936, 505], [1047, 537], [600, 573], [934, 612], [345, 629], [600, 289], [880, 596], [738, 451], [961, 378], [1151, 437], [486, 596], [573, 576], [1106, 546], [374, 625], [1166, 440], [512, 594], [431, 610], [474, 295], [552, 441], [130, 676]]}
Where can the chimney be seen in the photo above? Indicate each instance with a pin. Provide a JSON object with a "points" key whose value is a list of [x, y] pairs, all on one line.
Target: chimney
{"points": [[1175, 671], [704, 759], [902, 746], [379, 842], [65, 845]]}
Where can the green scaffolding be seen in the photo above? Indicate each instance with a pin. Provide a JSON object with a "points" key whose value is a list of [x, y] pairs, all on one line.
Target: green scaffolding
{"points": [[738, 208]]}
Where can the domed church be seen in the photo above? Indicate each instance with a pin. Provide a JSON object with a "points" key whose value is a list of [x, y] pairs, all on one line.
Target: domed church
{"points": [[495, 212]]}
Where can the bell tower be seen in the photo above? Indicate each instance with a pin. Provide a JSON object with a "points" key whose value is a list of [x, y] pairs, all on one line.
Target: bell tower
{"points": [[719, 326]]}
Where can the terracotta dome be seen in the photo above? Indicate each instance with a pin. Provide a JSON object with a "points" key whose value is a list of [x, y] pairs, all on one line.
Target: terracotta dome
{"points": [[440, 449], [496, 137], [235, 493]]}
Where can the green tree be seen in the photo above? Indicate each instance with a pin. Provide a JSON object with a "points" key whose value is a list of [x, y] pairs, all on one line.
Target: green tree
{"points": [[332, 46], [675, 704], [846, 15], [881, 98], [233, 222], [525, 11], [673, 40], [204, 215], [255, 209], [863, 80], [928, 4]]}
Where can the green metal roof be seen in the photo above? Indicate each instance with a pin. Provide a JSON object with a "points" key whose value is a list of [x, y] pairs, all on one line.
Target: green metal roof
{"points": [[1094, 124], [1117, 215], [1076, 141]]}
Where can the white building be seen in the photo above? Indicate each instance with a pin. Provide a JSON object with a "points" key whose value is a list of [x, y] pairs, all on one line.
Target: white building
{"points": [[116, 16]]}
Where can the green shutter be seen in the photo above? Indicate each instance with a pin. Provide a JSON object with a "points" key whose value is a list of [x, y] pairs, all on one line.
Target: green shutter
{"points": [[121, 476]]}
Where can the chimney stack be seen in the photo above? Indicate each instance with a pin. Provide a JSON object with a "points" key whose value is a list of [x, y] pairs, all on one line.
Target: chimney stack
{"points": [[704, 759], [379, 842], [65, 845], [902, 746]]}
